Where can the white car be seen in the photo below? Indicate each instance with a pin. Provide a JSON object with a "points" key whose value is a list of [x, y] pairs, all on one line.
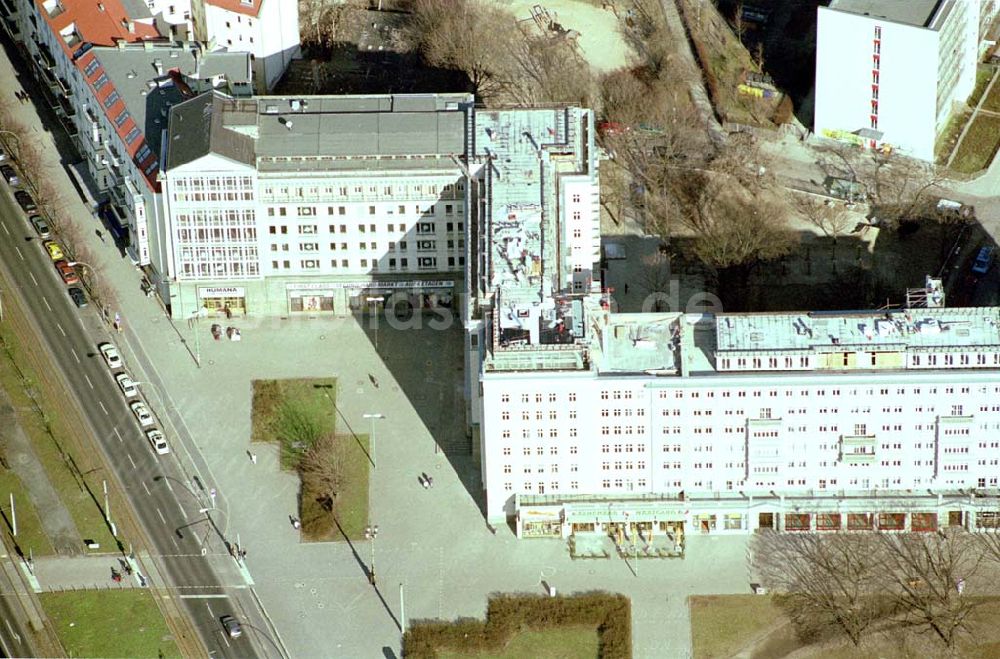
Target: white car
{"points": [[158, 441], [111, 356], [127, 385], [141, 412]]}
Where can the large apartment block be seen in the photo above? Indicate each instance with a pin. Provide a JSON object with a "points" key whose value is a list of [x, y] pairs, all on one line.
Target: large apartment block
{"points": [[731, 422], [315, 204], [890, 72]]}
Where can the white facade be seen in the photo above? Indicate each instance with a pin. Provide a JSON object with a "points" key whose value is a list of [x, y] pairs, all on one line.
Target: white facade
{"points": [[267, 29], [893, 79]]}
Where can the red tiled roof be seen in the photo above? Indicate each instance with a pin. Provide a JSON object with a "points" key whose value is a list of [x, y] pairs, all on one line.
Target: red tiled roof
{"points": [[143, 158], [99, 22], [245, 7]]}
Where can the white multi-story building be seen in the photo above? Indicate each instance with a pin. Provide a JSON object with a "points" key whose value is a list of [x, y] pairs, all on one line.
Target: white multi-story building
{"points": [[315, 204], [737, 421], [111, 79], [267, 29], [890, 72]]}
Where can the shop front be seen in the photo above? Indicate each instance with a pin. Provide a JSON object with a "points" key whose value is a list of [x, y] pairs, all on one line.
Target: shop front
{"points": [[400, 298], [226, 300], [310, 298]]}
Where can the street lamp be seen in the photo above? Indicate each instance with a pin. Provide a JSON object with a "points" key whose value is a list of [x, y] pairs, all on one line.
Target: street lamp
{"points": [[371, 437], [371, 532]]}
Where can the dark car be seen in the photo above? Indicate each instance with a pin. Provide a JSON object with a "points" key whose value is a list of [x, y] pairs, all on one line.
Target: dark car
{"points": [[9, 175], [25, 201], [232, 626], [78, 296]]}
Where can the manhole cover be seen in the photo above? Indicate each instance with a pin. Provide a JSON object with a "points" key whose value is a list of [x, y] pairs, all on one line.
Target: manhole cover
{"points": [[322, 337]]}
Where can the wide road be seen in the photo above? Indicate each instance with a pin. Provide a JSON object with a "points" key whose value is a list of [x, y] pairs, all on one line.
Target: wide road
{"points": [[191, 559]]}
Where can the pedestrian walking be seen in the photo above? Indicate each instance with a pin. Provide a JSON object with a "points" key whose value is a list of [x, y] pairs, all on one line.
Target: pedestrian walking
{"points": [[100, 235], [626, 289], [253, 458]]}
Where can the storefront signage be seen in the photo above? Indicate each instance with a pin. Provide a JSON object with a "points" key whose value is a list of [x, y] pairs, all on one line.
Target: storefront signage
{"points": [[222, 291], [313, 286]]}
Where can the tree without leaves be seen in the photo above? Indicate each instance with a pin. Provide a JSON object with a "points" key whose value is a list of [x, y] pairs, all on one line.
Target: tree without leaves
{"points": [[827, 582], [321, 469], [923, 571], [467, 36], [827, 215]]}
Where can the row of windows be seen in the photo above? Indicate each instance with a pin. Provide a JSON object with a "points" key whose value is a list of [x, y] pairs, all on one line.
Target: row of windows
{"points": [[312, 229], [349, 192], [393, 246], [311, 211], [373, 264], [217, 270]]}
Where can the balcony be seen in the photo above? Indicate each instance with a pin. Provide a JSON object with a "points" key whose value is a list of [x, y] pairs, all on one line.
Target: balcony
{"points": [[44, 56]]}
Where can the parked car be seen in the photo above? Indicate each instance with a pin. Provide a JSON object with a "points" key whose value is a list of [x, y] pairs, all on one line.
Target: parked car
{"points": [[25, 201], [3, 155], [78, 296], [9, 175], [54, 250], [232, 626], [67, 273], [984, 259], [41, 226], [141, 413], [111, 356], [127, 385], [159, 444]]}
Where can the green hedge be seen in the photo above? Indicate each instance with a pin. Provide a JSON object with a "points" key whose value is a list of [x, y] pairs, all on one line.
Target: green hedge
{"points": [[509, 614]]}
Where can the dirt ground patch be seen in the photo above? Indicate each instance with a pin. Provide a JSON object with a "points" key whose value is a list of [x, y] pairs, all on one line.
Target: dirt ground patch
{"points": [[600, 43]]}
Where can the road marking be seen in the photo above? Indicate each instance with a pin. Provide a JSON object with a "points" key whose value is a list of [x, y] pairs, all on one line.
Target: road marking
{"points": [[175, 543], [119, 434], [17, 637], [148, 493], [46, 301], [75, 356], [169, 487], [87, 378], [5, 230], [18, 250], [131, 460], [209, 610], [162, 518], [204, 597], [103, 409], [32, 275], [61, 330]]}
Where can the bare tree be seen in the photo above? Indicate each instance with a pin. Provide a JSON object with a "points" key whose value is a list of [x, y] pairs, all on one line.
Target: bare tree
{"points": [[927, 575], [547, 69], [321, 469], [827, 582], [467, 36], [901, 187]]}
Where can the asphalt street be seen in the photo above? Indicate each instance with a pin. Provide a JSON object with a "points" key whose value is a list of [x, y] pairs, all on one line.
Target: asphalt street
{"points": [[173, 511]]}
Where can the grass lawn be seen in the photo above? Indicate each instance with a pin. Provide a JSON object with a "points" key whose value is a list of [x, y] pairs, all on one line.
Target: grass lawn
{"points": [[561, 643], [314, 399], [983, 75], [55, 433], [723, 624], [122, 623], [992, 101], [30, 535], [979, 145]]}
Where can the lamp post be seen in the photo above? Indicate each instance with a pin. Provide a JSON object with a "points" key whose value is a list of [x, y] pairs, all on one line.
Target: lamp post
{"points": [[371, 437], [371, 532]]}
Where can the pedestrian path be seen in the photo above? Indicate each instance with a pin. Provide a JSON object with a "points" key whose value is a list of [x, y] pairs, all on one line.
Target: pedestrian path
{"points": [[93, 572]]}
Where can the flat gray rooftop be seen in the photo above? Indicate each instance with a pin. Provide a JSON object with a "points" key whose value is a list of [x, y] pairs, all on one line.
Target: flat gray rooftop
{"points": [[639, 343], [819, 331], [908, 12]]}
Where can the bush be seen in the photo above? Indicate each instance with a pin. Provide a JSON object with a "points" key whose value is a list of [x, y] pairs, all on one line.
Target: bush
{"points": [[509, 614]]}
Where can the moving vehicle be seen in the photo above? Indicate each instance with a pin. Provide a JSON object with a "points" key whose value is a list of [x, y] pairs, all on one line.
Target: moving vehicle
{"points": [[159, 444], [232, 626], [41, 226], [25, 201], [67, 272], [111, 356], [9, 175], [127, 385], [54, 250], [78, 296], [141, 413], [984, 259]]}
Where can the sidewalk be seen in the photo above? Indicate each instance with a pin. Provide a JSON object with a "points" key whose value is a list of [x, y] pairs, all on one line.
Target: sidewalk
{"points": [[56, 573]]}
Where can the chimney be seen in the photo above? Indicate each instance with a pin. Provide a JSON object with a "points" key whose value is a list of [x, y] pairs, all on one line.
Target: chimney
{"points": [[131, 27]]}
